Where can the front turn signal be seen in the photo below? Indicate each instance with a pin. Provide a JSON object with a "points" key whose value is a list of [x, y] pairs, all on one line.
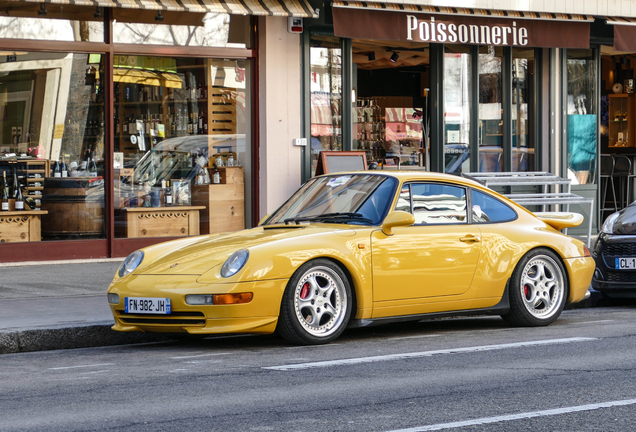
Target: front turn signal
{"points": [[586, 252], [220, 299]]}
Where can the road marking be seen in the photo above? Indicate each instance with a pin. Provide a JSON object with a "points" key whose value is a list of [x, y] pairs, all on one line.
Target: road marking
{"points": [[413, 337], [198, 355], [521, 416], [403, 356], [593, 322], [81, 366]]}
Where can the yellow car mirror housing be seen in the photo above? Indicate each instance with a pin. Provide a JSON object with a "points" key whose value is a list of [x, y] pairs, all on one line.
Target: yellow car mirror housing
{"points": [[397, 218]]}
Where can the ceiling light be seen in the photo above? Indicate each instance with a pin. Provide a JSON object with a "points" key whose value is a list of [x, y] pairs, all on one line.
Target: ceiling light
{"points": [[98, 13], [42, 11], [394, 57], [371, 56], [159, 17]]}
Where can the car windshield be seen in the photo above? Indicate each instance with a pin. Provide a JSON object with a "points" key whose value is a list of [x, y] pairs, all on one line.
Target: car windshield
{"points": [[361, 199]]}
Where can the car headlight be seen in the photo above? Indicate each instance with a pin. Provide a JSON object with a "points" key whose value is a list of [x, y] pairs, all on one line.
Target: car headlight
{"points": [[234, 263], [131, 262], [608, 226]]}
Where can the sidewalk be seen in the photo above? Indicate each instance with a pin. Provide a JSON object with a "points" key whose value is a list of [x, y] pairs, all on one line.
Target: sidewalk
{"points": [[59, 305]]}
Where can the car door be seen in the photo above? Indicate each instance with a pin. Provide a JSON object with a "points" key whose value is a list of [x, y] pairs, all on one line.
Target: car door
{"points": [[435, 257]]}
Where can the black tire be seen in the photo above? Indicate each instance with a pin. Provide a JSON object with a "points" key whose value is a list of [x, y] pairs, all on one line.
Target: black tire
{"points": [[316, 305], [538, 290]]}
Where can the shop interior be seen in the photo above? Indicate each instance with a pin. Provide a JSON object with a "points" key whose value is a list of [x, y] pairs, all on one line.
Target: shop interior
{"points": [[391, 115], [618, 137]]}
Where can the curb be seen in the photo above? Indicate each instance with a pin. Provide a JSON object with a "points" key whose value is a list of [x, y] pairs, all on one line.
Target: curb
{"points": [[55, 338]]}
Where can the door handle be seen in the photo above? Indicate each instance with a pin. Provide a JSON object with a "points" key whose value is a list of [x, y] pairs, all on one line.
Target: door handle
{"points": [[470, 238]]}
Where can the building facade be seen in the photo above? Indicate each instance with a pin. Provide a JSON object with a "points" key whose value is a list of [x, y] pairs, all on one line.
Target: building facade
{"points": [[128, 123]]}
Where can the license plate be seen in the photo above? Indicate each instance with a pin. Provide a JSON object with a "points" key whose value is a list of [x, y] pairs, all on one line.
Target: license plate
{"points": [[625, 263], [147, 305]]}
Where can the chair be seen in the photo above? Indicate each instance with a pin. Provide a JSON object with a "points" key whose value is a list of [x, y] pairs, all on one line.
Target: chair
{"points": [[622, 169], [607, 180]]}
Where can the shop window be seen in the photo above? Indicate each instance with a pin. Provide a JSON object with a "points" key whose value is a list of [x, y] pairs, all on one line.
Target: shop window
{"points": [[457, 106], [326, 97], [182, 145], [390, 112], [133, 26], [523, 109], [490, 109], [52, 147], [52, 22], [582, 115]]}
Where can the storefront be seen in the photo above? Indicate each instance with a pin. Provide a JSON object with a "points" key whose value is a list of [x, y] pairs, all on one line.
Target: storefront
{"points": [[128, 124], [456, 90]]}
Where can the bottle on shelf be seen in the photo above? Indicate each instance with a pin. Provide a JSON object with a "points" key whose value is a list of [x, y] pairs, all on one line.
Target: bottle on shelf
{"points": [[92, 168], [217, 177], [19, 200], [5, 192], [64, 168], [190, 124], [57, 169], [30, 203], [167, 196], [16, 184]]}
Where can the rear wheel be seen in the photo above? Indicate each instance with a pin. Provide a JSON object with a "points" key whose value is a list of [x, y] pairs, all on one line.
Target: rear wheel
{"points": [[538, 290], [316, 305]]}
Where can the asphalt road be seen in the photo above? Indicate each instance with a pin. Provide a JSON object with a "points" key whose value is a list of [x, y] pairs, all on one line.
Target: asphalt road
{"points": [[469, 374]]}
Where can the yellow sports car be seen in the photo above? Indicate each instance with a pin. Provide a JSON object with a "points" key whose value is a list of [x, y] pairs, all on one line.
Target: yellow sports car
{"points": [[357, 249]]}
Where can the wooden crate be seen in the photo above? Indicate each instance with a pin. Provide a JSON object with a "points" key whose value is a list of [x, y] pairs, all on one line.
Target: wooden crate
{"points": [[20, 226], [162, 221], [224, 203]]}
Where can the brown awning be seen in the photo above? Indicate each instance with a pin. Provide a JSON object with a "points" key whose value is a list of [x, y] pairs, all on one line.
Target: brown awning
{"points": [[418, 23], [624, 33], [295, 8]]}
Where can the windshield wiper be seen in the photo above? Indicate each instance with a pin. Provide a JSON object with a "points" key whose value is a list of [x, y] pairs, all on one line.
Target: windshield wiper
{"points": [[357, 217]]}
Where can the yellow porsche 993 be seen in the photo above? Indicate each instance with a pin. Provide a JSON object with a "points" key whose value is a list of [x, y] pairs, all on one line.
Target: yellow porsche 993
{"points": [[357, 249]]}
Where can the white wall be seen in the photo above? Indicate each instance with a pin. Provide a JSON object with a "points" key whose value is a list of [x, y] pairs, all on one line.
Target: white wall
{"points": [[625, 8], [279, 111]]}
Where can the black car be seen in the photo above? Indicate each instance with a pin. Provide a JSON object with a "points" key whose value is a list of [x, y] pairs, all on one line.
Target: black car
{"points": [[615, 255]]}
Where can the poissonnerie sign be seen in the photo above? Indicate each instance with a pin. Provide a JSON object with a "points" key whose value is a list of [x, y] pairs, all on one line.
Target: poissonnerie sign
{"points": [[458, 29], [430, 31]]}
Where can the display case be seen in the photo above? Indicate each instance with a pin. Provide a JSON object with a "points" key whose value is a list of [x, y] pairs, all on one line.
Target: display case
{"points": [[622, 108]]}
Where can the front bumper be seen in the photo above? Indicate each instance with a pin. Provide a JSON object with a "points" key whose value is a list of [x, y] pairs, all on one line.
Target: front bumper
{"points": [[258, 316], [607, 278]]}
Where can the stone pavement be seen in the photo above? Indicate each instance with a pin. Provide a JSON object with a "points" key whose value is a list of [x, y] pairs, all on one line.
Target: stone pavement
{"points": [[59, 305]]}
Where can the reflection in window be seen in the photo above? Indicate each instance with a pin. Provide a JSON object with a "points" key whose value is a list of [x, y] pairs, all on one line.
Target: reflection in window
{"points": [[523, 141], [582, 111], [490, 110], [326, 97], [181, 29], [51, 22], [435, 203], [487, 209], [457, 91], [52, 125], [181, 132]]}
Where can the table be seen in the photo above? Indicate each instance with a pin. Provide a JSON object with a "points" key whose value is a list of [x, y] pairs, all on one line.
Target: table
{"points": [[162, 221], [21, 226]]}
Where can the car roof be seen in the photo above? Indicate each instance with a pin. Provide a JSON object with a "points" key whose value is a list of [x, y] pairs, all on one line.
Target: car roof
{"points": [[406, 175]]}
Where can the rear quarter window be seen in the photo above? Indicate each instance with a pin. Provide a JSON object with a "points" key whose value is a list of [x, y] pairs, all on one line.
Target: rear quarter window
{"points": [[487, 209]]}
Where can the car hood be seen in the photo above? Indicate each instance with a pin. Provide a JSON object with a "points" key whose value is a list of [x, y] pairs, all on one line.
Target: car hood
{"points": [[626, 222], [197, 255]]}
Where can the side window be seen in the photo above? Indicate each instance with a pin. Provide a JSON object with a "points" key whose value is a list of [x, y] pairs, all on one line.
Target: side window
{"points": [[435, 203], [487, 209], [404, 200]]}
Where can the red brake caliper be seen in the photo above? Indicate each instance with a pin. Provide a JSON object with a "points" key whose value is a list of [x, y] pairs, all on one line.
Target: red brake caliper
{"points": [[525, 291], [304, 292]]}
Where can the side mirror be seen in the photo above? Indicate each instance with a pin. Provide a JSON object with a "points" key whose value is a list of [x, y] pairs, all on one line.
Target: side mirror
{"points": [[263, 220], [396, 219]]}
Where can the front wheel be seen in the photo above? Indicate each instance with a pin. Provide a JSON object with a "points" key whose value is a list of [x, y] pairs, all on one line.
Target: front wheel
{"points": [[316, 305], [538, 290]]}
